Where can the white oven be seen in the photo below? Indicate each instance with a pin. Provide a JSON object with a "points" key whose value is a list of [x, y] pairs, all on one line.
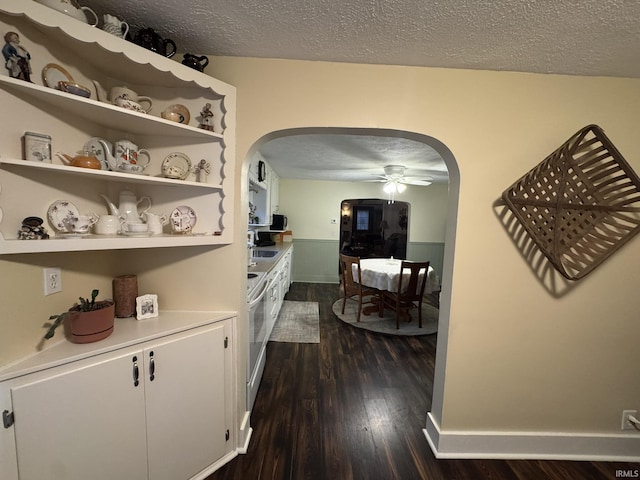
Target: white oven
{"points": [[257, 288]]}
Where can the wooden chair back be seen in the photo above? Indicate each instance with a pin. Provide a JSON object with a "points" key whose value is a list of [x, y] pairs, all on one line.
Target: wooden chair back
{"points": [[415, 286], [352, 286]]}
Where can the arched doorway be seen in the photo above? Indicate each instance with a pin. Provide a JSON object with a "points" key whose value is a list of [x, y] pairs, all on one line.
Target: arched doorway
{"points": [[449, 232]]}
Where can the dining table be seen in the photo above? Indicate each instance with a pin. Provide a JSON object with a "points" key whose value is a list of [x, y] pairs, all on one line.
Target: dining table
{"points": [[383, 274]]}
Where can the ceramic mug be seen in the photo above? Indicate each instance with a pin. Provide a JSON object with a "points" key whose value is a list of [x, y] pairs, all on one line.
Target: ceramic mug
{"points": [[80, 223], [114, 26], [126, 94], [108, 225], [155, 222], [128, 154]]}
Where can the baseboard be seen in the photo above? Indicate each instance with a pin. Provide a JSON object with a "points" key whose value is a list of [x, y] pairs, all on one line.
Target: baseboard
{"points": [[245, 434], [531, 445]]}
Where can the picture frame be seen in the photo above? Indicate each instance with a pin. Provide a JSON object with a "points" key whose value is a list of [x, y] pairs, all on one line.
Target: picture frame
{"points": [[146, 306]]}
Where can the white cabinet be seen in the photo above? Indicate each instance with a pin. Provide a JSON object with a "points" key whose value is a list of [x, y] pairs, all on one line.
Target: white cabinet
{"points": [[89, 54], [156, 410]]}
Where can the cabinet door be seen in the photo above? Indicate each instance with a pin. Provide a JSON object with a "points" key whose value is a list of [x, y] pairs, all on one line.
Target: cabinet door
{"points": [[87, 421], [185, 389]]}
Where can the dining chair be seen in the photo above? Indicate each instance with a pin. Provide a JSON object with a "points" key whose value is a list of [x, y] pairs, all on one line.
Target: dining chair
{"points": [[409, 291], [353, 286]]}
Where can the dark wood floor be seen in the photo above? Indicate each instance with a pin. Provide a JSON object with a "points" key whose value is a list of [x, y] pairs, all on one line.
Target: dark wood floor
{"points": [[354, 406]]}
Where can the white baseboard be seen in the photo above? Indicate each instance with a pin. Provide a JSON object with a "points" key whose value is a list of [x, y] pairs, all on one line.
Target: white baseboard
{"points": [[532, 445], [245, 433]]}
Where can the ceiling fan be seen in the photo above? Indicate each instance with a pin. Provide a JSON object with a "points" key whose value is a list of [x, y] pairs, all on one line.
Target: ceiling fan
{"points": [[395, 180]]}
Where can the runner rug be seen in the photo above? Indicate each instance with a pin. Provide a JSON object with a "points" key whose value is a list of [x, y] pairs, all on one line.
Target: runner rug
{"points": [[297, 322]]}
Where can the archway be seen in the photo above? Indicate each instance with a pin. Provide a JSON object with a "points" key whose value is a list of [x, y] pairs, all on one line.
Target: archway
{"points": [[450, 229]]}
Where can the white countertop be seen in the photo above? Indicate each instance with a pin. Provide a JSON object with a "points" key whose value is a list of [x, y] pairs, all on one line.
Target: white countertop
{"points": [[126, 332]]}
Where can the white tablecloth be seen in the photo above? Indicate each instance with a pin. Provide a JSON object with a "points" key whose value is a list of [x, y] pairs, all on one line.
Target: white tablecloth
{"points": [[384, 274]]}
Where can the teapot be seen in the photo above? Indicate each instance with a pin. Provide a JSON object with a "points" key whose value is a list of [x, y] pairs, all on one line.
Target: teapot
{"points": [[68, 8], [128, 206], [197, 63], [150, 40], [85, 159]]}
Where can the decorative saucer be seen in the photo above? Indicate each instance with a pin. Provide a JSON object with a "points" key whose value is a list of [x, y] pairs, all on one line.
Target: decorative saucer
{"points": [[176, 165], [59, 211], [183, 219]]}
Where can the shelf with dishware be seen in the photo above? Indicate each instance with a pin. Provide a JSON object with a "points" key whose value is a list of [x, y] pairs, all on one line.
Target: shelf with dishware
{"points": [[104, 114], [104, 97]]}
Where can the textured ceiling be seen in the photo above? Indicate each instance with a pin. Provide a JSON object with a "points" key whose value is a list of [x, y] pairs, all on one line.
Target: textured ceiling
{"points": [[574, 37]]}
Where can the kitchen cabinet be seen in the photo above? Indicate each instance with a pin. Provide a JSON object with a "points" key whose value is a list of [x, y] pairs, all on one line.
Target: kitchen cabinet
{"points": [[88, 54], [158, 409]]}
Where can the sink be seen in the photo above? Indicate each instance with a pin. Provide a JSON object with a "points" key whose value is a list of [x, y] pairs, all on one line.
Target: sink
{"points": [[265, 253]]}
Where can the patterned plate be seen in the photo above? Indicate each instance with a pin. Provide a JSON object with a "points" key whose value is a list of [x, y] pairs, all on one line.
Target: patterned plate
{"points": [[59, 211]]}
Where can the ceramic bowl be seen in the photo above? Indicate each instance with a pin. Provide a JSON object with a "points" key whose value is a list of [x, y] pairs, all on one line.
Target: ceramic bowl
{"points": [[177, 113]]}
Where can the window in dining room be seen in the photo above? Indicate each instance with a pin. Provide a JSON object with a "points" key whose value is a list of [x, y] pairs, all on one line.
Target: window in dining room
{"points": [[363, 219]]}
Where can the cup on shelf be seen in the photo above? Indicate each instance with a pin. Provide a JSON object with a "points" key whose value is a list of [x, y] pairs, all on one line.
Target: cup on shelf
{"points": [[155, 222], [129, 157], [113, 25], [132, 227], [127, 98], [80, 223]]}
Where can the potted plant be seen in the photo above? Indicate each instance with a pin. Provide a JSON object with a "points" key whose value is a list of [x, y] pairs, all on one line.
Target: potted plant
{"points": [[88, 321]]}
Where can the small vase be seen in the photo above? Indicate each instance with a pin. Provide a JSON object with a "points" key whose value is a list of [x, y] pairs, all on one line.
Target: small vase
{"points": [[87, 327]]}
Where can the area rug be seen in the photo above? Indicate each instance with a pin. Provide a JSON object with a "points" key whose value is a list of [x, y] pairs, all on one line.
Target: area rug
{"points": [[387, 324], [297, 322]]}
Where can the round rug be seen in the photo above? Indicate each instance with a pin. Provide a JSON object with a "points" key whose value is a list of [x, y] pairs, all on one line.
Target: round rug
{"points": [[387, 324]]}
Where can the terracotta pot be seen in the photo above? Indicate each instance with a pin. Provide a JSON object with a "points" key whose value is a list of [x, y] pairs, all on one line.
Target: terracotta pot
{"points": [[87, 327]]}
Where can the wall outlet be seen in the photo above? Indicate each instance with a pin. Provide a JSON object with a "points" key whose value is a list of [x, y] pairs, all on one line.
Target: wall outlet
{"points": [[626, 424], [52, 280]]}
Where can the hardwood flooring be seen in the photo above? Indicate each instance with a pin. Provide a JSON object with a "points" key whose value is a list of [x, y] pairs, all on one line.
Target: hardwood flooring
{"points": [[353, 408]]}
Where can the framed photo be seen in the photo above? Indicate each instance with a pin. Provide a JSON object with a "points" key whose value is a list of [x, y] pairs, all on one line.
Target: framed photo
{"points": [[146, 306]]}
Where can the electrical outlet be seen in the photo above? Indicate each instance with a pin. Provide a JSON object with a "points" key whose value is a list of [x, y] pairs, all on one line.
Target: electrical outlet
{"points": [[626, 424], [52, 280]]}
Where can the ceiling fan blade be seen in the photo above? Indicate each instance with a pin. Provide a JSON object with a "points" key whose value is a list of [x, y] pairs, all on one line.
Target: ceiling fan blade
{"points": [[417, 181]]}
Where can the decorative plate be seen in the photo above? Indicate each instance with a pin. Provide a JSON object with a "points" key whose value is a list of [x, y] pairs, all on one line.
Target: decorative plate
{"points": [[183, 219], [93, 145], [52, 73], [176, 165], [59, 211]]}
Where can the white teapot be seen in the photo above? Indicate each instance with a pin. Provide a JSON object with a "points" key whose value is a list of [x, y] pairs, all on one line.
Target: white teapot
{"points": [[68, 8], [128, 206]]}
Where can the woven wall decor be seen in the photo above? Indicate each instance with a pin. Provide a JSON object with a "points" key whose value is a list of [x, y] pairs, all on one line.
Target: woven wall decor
{"points": [[580, 204]]}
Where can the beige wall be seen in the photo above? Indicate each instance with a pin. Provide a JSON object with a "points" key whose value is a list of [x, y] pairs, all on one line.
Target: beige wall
{"points": [[515, 353]]}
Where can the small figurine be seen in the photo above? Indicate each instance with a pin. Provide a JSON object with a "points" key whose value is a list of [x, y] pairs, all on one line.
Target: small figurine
{"points": [[206, 118], [32, 229], [202, 170], [16, 57]]}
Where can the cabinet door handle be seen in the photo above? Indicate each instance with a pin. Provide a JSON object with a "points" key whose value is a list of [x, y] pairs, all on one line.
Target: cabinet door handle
{"points": [[152, 367], [136, 372]]}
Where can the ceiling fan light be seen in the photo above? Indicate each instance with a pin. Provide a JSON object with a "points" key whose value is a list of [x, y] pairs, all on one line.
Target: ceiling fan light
{"points": [[389, 187], [400, 187]]}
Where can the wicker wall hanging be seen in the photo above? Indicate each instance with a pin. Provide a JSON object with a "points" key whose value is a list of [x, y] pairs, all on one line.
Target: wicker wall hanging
{"points": [[580, 204]]}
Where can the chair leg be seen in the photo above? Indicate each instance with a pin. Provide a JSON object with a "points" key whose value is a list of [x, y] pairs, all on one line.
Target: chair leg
{"points": [[344, 302], [359, 308], [420, 314]]}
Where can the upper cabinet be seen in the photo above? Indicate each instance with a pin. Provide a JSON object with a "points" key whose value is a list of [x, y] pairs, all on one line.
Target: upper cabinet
{"points": [[64, 48]]}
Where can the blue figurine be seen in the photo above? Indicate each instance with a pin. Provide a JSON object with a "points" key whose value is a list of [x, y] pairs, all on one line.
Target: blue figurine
{"points": [[16, 57]]}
